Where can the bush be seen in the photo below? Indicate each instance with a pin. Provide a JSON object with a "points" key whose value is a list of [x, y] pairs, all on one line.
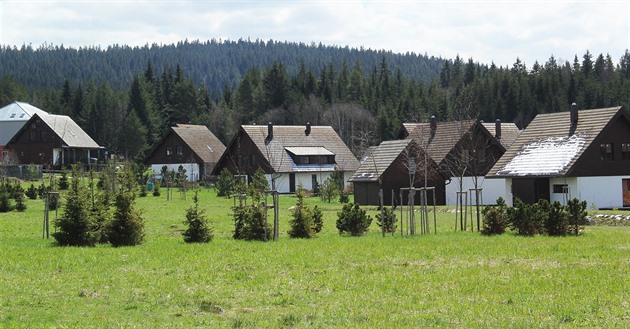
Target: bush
{"points": [[250, 223], [329, 190], [495, 219], [353, 220], [198, 230], [302, 220], [156, 189], [388, 224], [576, 216], [63, 181], [31, 192], [557, 220], [225, 183], [318, 219], [344, 197], [523, 220], [5, 202], [19, 199]]}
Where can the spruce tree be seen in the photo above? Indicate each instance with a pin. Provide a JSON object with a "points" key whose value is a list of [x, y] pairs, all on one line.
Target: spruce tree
{"points": [[76, 227], [198, 229], [127, 226]]}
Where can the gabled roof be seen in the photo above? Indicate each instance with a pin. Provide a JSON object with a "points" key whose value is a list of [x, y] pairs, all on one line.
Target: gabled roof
{"points": [[379, 160], [201, 141], [70, 134], [509, 132], [295, 138], [550, 147], [19, 111], [13, 117], [446, 136]]}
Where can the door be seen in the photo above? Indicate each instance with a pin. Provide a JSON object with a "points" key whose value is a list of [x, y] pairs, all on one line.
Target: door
{"points": [[625, 183], [292, 183]]}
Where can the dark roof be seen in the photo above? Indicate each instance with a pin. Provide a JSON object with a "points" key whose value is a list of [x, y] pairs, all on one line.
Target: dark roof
{"points": [[549, 146], [447, 135], [275, 151], [201, 141], [379, 160], [509, 132]]}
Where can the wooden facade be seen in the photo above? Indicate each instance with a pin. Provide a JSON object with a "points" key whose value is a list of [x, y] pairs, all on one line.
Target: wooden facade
{"points": [[187, 145], [55, 142], [583, 154]]}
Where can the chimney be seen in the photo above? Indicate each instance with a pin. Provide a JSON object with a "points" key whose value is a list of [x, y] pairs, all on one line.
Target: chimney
{"points": [[307, 131], [497, 129], [574, 115], [269, 131], [433, 125]]}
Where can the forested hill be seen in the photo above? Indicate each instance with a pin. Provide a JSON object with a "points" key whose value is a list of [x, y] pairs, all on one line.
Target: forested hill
{"points": [[213, 63]]}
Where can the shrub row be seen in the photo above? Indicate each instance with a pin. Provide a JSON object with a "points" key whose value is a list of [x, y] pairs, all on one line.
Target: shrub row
{"points": [[542, 217]]}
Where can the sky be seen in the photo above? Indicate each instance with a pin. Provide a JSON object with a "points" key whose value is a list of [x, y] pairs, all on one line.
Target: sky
{"points": [[487, 31]]}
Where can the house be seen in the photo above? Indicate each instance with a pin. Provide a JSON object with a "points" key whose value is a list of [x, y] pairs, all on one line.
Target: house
{"points": [[194, 147], [289, 155], [394, 165], [574, 154], [465, 151], [12, 118], [54, 141]]}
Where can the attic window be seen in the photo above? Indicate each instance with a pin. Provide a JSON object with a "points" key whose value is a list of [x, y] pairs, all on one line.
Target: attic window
{"points": [[606, 151], [169, 150], [625, 151], [180, 150]]}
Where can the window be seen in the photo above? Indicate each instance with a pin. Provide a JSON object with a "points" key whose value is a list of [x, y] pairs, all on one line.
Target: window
{"points": [[606, 151], [33, 136], [252, 161], [560, 188], [180, 150], [625, 151], [43, 136], [169, 150]]}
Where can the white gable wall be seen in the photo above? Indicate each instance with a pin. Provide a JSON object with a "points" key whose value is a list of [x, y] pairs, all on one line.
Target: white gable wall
{"points": [[492, 189], [192, 169], [305, 179]]}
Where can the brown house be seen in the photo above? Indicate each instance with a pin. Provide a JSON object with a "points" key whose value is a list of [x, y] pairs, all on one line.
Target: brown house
{"points": [[394, 165], [464, 152], [194, 147], [54, 141], [289, 155], [574, 154]]}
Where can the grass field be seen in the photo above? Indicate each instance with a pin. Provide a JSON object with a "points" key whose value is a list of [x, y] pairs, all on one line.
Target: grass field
{"points": [[449, 279]]}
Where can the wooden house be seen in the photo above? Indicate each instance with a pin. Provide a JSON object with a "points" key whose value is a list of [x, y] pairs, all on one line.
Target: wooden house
{"points": [[289, 155], [194, 147], [394, 165], [54, 141], [12, 119], [574, 154], [464, 152]]}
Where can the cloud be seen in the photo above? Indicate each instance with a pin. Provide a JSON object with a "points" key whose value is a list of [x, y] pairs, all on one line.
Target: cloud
{"points": [[487, 31]]}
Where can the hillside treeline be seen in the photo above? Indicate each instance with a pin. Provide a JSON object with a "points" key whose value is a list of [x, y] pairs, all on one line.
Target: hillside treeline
{"points": [[364, 106], [212, 63]]}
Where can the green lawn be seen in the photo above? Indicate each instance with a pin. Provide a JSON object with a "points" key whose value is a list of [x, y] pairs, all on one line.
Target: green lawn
{"points": [[449, 279]]}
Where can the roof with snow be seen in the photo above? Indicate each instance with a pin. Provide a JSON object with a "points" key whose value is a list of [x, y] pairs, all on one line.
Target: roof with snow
{"points": [[550, 146], [13, 117]]}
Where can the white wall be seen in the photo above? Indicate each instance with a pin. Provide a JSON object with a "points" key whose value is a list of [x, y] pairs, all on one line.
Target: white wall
{"points": [[601, 192], [282, 181], [192, 169], [492, 189]]}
